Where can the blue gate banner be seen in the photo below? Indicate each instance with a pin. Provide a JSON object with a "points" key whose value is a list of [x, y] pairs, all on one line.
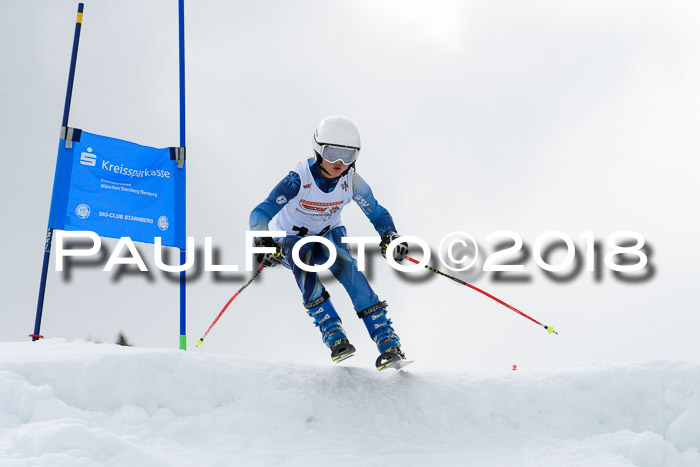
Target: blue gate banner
{"points": [[119, 189]]}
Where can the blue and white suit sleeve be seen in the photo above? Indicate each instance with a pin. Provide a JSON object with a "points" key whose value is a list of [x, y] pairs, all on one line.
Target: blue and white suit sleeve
{"points": [[375, 212], [285, 190]]}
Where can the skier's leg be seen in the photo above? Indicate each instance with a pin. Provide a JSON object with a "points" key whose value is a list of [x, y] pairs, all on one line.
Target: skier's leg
{"points": [[311, 288], [316, 299], [367, 305]]}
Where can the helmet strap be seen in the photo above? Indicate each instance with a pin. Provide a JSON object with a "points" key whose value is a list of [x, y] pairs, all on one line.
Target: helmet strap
{"points": [[352, 166], [319, 158]]}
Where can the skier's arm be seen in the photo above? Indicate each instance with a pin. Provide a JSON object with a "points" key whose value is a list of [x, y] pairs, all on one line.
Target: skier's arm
{"points": [[375, 212], [285, 190]]}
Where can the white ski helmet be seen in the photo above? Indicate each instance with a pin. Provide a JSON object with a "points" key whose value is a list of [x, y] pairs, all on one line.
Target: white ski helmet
{"points": [[337, 138]]}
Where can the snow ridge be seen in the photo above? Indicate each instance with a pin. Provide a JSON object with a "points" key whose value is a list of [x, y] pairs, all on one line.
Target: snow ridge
{"points": [[83, 404]]}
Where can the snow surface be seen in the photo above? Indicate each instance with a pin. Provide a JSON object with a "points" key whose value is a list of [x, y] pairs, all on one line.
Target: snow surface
{"points": [[81, 404]]}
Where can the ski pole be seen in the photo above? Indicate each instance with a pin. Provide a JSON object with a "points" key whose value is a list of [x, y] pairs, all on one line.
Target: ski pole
{"points": [[549, 329], [200, 342]]}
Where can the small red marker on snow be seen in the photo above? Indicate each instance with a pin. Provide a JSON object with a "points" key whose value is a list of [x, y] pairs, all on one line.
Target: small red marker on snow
{"points": [[515, 367]]}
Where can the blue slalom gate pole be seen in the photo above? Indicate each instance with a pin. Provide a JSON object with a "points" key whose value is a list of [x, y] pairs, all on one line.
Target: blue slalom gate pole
{"points": [[49, 231], [183, 252]]}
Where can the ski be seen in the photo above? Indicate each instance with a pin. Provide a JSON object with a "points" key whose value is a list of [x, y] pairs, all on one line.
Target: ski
{"points": [[398, 365], [343, 357]]}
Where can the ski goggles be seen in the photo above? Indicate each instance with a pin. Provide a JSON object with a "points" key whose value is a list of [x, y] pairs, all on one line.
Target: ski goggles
{"points": [[333, 154]]}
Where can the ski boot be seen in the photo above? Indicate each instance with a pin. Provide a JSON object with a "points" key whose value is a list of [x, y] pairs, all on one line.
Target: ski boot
{"points": [[326, 319], [379, 328]]}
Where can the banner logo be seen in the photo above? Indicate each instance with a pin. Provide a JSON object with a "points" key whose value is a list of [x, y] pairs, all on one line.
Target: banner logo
{"points": [[163, 223], [82, 211], [88, 158]]}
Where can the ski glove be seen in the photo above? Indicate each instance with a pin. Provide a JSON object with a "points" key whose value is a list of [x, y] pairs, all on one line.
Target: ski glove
{"points": [[270, 260], [400, 250]]}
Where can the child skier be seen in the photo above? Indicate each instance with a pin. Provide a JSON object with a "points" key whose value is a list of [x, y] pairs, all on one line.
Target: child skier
{"points": [[308, 201]]}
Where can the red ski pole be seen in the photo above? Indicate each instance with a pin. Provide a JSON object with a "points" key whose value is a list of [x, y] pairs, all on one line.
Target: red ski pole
{"points": [[200, 342], [549, 329]]}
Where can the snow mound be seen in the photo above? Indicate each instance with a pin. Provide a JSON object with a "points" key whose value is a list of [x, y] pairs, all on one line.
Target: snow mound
{"points": [[81, 404]]}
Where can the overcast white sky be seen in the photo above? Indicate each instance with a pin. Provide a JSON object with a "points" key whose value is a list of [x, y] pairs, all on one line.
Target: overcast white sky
{"points": [[475, 116]]}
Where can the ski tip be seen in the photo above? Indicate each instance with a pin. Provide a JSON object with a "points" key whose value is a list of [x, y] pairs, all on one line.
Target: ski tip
{"points": [[200, 342], [400, 365], [343, 358]]}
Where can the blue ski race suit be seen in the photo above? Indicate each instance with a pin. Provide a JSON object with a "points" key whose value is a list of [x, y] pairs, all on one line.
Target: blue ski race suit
{"points": [[344, 268]]}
